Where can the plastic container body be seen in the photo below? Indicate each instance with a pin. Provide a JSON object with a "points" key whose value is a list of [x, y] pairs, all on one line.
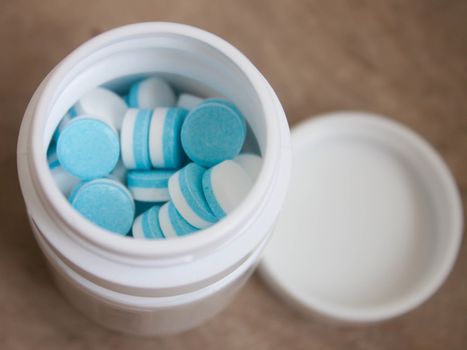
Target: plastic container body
{"points": [[153, 287]]}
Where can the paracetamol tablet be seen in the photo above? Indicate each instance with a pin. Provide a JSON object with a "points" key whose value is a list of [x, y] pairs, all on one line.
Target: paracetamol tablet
{"points": [[105, 202], [165, 147], [102, 104], [212, 133], [88, 148], [150, 185], [225, 186], [172, 223], [134, 139], [151, 93], [146, 225], [186, 192], [224, 102]]}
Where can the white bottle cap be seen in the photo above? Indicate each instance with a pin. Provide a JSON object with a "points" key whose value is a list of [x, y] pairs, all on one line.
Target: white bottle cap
{"points": [[372, 223]]}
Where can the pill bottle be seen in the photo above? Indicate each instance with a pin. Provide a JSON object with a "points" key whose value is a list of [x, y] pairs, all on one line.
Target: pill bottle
{"points": [[139, 286]]}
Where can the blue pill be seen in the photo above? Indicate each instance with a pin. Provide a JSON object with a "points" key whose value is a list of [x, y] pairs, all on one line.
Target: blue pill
{"points": [[106, 203], [165, 147], [172, 223], [150, 185], [134, 139], [186, 193], [88, 148], [224, 102], [146, 225], [212, 133], [64, 180]]}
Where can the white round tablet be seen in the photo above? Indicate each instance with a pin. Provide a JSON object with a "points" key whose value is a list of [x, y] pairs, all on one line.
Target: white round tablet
{"points": [[102, 104], [151, 93], [225, 186]]}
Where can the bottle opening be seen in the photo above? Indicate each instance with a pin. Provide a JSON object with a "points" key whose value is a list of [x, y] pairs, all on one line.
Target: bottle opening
{"points": [[192, 61]]}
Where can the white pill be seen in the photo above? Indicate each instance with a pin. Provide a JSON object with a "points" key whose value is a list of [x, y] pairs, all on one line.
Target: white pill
{"points": [[188, 101], [151, 93], [251, 163], [102, 104], [64, 180], [225, 186]]}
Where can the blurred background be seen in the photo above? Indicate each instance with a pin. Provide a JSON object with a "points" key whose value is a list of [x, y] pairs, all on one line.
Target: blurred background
{"points": [[403, 59]]}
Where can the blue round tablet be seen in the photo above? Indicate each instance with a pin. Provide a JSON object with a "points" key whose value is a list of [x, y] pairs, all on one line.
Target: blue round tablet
{"points": [[225, 186], [88, 148], [149, 185], [134, 139], [147, 225], [165, 148], [224, 102], [212, 133], [106, 203], [186, 193], [172, 223]]}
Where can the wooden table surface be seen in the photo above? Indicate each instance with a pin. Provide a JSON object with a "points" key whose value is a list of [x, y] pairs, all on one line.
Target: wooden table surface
{"points": [[404, 59]]}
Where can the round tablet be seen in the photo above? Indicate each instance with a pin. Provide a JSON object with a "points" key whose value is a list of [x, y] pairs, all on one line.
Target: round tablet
{"points": [[224, 102], [225, 186], [102, 104], [213, 132], [251, 163], [88, 148], [165, 147], [149, 186], [186, 192], [172, 223], [64, 180], [106, 203], [151, 93], [134, 139], [146, 225]]}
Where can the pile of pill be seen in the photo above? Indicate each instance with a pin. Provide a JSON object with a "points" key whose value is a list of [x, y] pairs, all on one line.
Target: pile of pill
{"points": [[152, 164]]}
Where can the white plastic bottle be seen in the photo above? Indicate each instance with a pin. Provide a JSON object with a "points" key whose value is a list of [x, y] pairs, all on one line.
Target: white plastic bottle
{"points": [[153, 287]]}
